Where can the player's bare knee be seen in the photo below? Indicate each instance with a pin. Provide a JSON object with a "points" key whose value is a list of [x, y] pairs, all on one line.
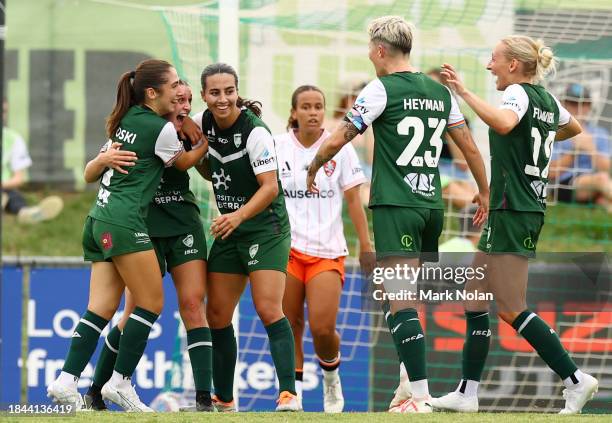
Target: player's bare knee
{"points": [[192, 312], [268, 313], [323, 332], [508, 316]]}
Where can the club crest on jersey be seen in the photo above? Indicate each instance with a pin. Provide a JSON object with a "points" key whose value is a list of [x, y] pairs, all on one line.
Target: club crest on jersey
{"points": [[329, 167], [107, 240], [188, 241], [237, 140], [253, 250]]}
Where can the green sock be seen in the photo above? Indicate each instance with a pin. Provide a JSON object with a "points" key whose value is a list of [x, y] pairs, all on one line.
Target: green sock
{"points": [[224, 356], [199, 345], [282, 348], [410, 341], [476, 347], [386, 308], [106, 361], [134, 340], [546, 342], [84, 342]]}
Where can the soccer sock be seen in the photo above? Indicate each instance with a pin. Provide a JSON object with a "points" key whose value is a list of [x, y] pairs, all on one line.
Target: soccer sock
{"points": [[108, 356], [546, 342], [330, 367], [299, 378], [199, 345], [476, 347], [84, 342], [574, 380], [469, 388], [282, 348], [410, 340], [224, 355], [386, 307], [134, 340]]}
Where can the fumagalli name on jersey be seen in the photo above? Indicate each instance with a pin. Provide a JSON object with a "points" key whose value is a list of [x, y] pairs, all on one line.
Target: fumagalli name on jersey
{"points": [[300, 193]]}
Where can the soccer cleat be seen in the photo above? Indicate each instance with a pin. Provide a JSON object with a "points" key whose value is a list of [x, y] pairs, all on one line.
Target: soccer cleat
{"points": [[577, 397], [125, 396], [93, 402], [333, 400], [401, 394], [287, 402], [456, 401], [413, 405], [203, 404], [224, 407], [47, 209], [64, 395]]}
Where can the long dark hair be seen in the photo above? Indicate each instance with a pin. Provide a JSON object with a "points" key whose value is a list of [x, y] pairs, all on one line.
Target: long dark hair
{"points": [[215, 68], [293, 123], [151, 73]]}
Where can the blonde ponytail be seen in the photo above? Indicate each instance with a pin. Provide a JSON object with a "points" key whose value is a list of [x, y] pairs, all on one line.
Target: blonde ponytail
{"points": [[538, 60]]}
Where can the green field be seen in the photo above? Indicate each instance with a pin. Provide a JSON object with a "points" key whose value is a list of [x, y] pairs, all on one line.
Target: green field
{"points": [[308, 417], [568, 228]]}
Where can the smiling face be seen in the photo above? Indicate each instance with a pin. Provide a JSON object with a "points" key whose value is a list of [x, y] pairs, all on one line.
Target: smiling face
{"points": [[183, 106], [163, 100], [501, 67], [221, 96], [310, 111]]}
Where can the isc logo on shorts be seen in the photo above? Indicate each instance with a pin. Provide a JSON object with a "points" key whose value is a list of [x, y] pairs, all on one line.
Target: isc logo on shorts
{"points": [[191, 251]]}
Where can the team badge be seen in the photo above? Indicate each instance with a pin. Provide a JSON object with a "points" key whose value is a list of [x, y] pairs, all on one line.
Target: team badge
{"points": [[329, 167], [107, 240], [188, 241], [253, 250], [237, 140]]}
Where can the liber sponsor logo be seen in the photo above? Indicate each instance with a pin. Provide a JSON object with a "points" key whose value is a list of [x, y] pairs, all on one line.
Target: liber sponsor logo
{"points": [[263, 161]]}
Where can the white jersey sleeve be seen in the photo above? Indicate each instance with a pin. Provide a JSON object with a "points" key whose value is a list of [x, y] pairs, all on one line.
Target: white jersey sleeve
{"points": [[260, 148], [19, 157], [455, 118], [515, 98], [564, 115], [370, 104], [167, 146], [351, 173], [197, 118]]}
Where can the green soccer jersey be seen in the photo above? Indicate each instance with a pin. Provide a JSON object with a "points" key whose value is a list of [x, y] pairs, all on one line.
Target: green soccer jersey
{"points": [[174, 209], [237, 154], [123, 199], [520, 159], [409, 113]]}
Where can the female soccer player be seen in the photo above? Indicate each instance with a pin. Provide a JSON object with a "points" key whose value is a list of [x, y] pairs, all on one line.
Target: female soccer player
{"points": [[177, 235], [252, 235], [115, 236], [522, 132], [316, 261]]}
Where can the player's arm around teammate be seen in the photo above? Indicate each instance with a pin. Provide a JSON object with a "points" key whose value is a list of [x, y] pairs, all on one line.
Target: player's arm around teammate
{"points": [[252, 234], [522, 133], [315, 273], [180, 244], [115, 236]]}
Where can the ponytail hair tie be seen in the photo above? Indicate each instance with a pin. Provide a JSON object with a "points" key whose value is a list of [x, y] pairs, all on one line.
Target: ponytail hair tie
{"points": [[132, 74]]}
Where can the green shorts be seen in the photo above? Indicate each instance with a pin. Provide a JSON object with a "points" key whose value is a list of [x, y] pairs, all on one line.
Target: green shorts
{"points": [[244, 257], [511, 232], [407, 231], [173, 251], [102, 240]]}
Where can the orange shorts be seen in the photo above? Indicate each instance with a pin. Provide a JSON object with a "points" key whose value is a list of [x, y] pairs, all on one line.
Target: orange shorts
{"points": [[304, 267]]}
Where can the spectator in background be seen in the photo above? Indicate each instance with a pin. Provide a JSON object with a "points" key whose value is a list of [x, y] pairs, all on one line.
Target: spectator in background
{"points": [[15, 161], [457, 184], [581, 166]]}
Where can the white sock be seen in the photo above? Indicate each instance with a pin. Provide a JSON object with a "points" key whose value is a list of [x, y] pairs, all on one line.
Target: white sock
{"points": [[470, 389], [420, 389], [66, 379], [330, 375], [569, 383], [117, 379], [299, 386], [403, 373]]}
